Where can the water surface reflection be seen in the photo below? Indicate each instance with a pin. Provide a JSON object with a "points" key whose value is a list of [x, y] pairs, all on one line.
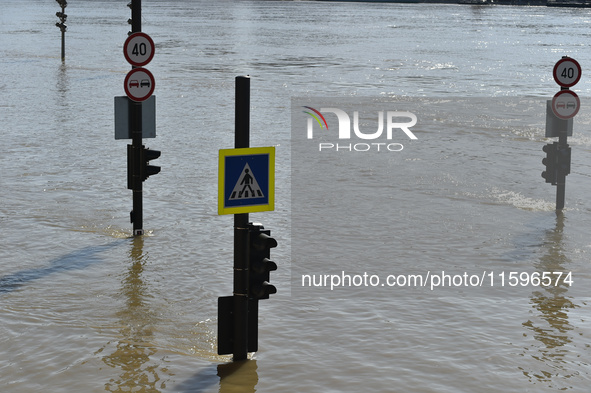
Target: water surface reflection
{"points": [[549, 322], [134, 350]]}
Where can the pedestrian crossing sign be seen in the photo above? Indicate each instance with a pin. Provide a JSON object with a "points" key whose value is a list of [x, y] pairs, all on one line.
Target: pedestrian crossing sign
{"points": [[246, 180]]}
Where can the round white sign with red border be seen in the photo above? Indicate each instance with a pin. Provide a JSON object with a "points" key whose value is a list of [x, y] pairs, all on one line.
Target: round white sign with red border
{"points": [[139, 84], [138, 49], [566, 104], [567, 72]]}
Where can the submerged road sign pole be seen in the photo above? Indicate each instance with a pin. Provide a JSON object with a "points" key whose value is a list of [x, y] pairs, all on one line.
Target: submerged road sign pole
{"points": [[241, 140], [565, 105], [561, 175], [139, 85]]}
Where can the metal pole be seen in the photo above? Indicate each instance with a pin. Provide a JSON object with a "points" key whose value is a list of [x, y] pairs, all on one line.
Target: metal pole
{"points": [[242, 139], [63, 38], [561, 179], [135, 119], [63, 46], [135, 126]]}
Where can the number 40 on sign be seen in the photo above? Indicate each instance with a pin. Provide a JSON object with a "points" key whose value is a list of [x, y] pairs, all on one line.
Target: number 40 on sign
{"points": [[567, 72], [138, 49]]}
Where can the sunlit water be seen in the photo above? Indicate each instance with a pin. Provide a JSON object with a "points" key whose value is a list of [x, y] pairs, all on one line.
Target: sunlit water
{"points": [[86, 308]]}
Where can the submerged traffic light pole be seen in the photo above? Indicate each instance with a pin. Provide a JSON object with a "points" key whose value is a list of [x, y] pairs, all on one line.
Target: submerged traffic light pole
{"points": [[62, 25], [238, 314], [241, 140]]}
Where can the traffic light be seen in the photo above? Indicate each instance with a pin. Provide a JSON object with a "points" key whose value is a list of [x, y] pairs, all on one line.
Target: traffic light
{"points": [[259, 265], [138, 168], [550, 174], [62, 23], [136, 16], [146, 170], [564, 160]]}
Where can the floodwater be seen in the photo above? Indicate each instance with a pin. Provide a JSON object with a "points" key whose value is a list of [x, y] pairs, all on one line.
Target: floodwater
{"points": [[87, 308]]}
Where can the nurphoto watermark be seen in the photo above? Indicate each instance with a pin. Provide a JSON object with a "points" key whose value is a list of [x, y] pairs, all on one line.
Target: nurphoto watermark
{"points": [[345, 125]]}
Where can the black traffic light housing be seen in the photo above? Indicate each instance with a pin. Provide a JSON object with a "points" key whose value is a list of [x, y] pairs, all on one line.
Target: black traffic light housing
{"points": [[551, 163], [260, 243], [136, 16], [62, 23], [563, 159], [138, 168], [147, 170]]}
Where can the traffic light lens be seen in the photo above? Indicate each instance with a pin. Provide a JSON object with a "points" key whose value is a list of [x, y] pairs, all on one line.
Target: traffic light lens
{"points": [[262, 241], [152, 154]]}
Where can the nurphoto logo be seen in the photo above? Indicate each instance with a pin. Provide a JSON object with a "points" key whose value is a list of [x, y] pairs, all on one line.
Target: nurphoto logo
{"points": [[396, 123]]}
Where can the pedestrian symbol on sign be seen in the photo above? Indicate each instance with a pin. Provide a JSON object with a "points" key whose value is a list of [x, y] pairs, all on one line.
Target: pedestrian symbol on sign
{"points": [[246, 187]]}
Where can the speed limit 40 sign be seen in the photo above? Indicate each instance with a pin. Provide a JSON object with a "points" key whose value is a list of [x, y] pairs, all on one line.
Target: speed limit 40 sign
{"points": [[567, 72], [138, 49]]}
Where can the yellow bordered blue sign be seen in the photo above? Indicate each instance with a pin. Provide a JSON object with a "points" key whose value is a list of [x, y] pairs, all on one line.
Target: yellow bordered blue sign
{"points": [[246, 180]]}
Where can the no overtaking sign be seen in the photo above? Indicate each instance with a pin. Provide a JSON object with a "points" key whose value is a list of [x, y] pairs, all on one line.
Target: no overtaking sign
{"points": [[139, 84]]}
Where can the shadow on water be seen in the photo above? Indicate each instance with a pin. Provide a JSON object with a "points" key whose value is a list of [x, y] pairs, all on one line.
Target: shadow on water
{"points": [[234, 377], [75, 260], [550, 323]]}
